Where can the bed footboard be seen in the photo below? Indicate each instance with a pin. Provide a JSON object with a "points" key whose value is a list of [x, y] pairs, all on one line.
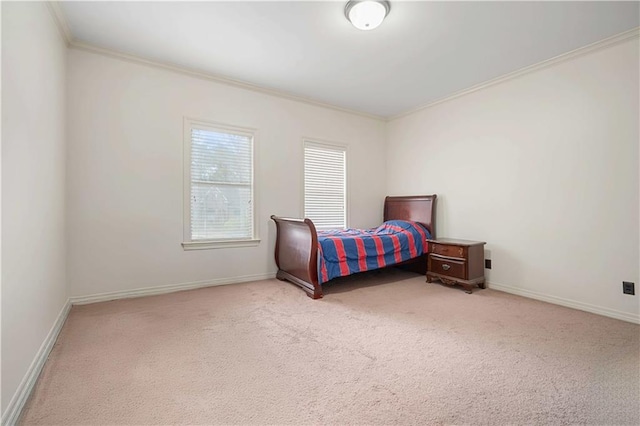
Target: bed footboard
{"points": [[296, 254]]}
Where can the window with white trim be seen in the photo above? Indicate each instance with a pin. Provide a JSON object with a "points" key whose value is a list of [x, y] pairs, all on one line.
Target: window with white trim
{"points": [[219, 190], [325, 184]]}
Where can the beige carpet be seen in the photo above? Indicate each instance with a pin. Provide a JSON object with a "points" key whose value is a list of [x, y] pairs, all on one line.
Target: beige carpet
{"points": [[380, 348]]}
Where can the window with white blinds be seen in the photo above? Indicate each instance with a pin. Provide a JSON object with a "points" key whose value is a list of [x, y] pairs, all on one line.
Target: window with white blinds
{"points": [[325, 185], [219, 174]]}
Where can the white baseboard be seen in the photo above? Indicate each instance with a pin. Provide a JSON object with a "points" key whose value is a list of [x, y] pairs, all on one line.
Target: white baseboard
{"points": [[14, 409], [611, 313], [12, 413], [150, 291]]}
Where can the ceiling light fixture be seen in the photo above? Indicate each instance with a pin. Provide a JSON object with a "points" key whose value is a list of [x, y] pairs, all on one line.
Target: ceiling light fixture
{"points": [[366, 14]]}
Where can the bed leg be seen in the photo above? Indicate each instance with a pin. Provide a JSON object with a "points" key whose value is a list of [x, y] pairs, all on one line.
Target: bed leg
{"points": [[312, 290], [315, 294]]}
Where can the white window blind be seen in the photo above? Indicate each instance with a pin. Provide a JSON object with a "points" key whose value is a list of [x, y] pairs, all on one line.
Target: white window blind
{"points": [[325, 185], [221, 206]]}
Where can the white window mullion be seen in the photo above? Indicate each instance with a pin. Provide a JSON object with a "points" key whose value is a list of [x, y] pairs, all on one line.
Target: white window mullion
{"points": [[204, 182]]}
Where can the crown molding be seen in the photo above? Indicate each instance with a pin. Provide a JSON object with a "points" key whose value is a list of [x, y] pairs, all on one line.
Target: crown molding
{"points": [[71, 42], [581, 51], [61, 21], [192, 72]]}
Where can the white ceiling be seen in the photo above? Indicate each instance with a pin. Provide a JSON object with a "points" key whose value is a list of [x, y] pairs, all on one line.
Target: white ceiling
{"points": [[422, 52]]}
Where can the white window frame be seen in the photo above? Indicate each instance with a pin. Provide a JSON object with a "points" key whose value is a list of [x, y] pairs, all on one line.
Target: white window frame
{"points": [[329, 145], [188, 243]]}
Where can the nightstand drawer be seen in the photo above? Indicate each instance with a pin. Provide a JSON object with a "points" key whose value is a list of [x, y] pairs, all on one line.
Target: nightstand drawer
{"points": [[446, 266], [447, 250]]}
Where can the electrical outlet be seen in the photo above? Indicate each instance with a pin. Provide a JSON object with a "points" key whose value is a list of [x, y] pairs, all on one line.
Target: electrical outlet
{"points": [[628, 287], [487, 263]]}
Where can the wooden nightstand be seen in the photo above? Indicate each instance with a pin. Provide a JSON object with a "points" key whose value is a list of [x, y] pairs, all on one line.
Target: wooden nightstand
{"points": [[456, 262]]}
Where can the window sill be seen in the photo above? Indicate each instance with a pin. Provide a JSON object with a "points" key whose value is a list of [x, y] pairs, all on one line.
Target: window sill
{"points": [[206, 245]]}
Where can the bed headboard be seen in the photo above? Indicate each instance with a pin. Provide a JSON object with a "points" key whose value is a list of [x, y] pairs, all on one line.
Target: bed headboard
{"points": [[417, 208]]}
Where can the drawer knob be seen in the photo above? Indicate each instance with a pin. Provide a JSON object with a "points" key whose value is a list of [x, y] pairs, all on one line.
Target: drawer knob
{"points": [[445, 266]]}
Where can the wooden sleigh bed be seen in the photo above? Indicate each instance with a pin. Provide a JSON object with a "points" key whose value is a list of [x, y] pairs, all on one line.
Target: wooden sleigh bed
{"points": [[296, 251]]}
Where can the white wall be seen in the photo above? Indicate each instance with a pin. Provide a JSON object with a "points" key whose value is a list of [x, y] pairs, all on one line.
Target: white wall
{"points": [[33, 186], [544, 168], [125, 172]]}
